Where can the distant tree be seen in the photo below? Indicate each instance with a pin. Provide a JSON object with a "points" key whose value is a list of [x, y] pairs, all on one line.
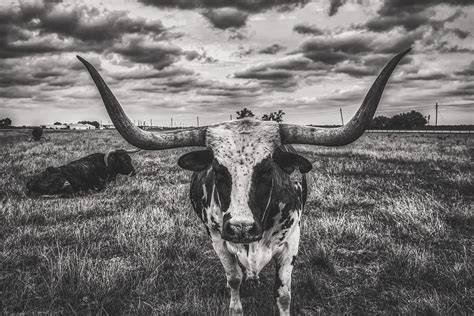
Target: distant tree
{"points": [[274, 116], [410, 120], [93, 123], [244, 113], [58, 123], [379, 122], [5, 122]]}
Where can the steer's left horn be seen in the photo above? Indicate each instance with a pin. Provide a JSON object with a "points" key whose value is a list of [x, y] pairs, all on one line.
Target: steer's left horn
{"points": [[136, 136], [346, 134]]}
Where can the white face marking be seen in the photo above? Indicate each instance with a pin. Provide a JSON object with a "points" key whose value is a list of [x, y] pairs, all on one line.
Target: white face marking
{"points": [[239, 146], [213, 212]]}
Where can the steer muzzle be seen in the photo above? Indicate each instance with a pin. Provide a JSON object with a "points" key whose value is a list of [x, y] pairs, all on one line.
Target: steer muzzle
{"points": [[241, 230]]}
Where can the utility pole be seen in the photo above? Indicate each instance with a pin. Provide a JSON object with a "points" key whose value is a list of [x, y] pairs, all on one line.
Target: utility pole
{"points": [[342, 118], [436, 118], [171, 122], [151, 123], [197, 121], [231, 117]]}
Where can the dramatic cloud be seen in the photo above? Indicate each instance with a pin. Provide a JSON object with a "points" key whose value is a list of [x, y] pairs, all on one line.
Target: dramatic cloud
{"points": [[283, 74], [224, 18], [137, 74], [412, 14], [202, 56], [139, 50], [224, 14], [468, 71], [37, 28], [334, 6], [356, 70], [460, 33], [247, 5], [307, 29], [463, 90], [336, 49], [394, 7], [185, 83], [272, 50], [16, 72]]}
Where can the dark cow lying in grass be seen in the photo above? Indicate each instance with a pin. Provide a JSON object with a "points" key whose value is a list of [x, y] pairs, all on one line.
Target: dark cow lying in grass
{"points": [[92, 172]]}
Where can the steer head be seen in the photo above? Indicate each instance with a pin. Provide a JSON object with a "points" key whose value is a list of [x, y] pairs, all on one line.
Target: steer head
{"points": [[119, 162], [244, 157], [243, 154]]}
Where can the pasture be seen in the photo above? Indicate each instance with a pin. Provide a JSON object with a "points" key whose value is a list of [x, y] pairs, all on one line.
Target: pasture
{"points": [[388, 228]]}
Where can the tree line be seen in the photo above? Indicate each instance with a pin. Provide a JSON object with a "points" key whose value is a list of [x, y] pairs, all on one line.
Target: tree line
{"points": [[408, 120]]}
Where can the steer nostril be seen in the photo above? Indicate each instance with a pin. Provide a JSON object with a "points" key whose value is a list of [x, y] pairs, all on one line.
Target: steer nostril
{"points": [[254, 230], [229, 229]]}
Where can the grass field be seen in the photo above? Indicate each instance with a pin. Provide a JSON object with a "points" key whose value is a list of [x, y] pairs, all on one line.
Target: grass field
{"points": [[388, 229]]}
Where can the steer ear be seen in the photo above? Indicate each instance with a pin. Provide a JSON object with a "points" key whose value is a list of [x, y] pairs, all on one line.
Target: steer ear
{"points": [[196, 160], [289, 161]]}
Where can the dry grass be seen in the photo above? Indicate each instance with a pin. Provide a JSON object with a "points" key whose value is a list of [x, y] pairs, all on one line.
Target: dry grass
{"points": [[388, 228]]}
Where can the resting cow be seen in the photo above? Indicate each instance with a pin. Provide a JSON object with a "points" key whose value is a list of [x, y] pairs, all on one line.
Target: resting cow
{"points": [[243, 188], [92, 172]]}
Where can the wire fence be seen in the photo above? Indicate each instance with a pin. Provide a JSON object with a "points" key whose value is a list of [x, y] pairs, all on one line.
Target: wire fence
{"points": [[420, 131]]}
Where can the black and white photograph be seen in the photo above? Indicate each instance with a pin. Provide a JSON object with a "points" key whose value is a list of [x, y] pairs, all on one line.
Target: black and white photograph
{"points": [[237, 157]]}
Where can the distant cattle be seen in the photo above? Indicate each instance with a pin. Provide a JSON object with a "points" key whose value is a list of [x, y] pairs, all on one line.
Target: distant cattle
{"points": [[92, 172], [37, 133]]}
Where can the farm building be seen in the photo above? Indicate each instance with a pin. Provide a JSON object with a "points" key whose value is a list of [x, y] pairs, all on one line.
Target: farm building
{"points": [[62, 126], [80, 126]]}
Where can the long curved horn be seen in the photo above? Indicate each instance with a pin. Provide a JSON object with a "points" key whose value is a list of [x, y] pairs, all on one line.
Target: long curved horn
{"points": [[106, 157], [346, 134], [136, 136]]}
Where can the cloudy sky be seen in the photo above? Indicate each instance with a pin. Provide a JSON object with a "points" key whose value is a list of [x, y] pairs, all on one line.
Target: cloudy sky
{"points": [[183, 58]]}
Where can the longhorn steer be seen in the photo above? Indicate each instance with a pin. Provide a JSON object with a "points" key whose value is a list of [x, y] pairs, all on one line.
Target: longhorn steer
{"points": [[241, 187], [92, 172]]}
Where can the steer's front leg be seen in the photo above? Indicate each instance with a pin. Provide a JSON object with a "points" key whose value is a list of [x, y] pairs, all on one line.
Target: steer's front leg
{"points": [[233, 274], [284, 267]]}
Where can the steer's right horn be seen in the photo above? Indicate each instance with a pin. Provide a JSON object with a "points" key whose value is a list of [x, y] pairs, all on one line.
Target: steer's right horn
{"points": [[346, 134], [136, 136]]}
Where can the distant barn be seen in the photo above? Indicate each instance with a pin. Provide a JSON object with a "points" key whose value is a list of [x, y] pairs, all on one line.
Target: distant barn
{"points": [[80, 126], [62, 126]]}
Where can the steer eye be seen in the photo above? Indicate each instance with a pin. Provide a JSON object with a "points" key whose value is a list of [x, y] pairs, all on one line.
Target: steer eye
{"points": [[289, 161]]}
